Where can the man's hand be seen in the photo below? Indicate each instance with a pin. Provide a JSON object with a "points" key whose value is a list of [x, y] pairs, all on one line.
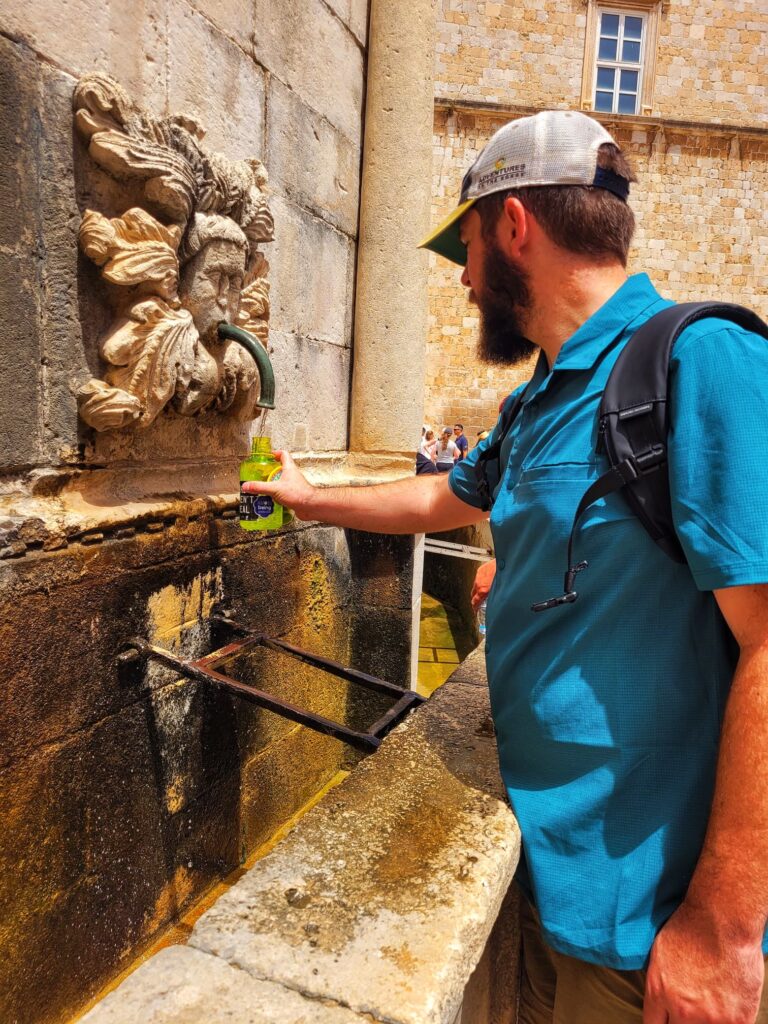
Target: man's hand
{"points": [[482, 585], [413, 504], [697, 975], [291, 489]]}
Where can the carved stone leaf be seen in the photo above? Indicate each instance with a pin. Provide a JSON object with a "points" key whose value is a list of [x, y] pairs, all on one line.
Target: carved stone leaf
{"points": [[254, 309], [107, 408], [131, 145], [169, 181], [153, 352], [133, 249]]}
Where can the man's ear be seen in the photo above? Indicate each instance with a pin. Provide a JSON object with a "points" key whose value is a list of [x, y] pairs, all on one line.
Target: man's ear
{"points": [[514, 227]]}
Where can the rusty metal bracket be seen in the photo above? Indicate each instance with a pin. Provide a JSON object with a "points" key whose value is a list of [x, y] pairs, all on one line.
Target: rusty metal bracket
{"points": [[204, 670]]}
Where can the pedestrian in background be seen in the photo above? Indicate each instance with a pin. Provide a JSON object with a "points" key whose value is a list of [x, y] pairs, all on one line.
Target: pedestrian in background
{"points": [[447, 452], [425, 456], [460, 440]]}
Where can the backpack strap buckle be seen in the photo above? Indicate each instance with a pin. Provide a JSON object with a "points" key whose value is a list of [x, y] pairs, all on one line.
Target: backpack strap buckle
{"points": [[651, 459], [568, 596]]}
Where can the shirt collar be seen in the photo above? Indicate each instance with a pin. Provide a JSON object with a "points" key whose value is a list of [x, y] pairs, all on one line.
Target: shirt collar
{"points": [[635, 297]]}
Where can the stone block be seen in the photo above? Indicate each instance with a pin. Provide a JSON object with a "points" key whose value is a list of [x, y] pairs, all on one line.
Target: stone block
{"points": [[85, 877], [19, 126], [61, 299], [235, 18], [311, 272], [380, 643], [210, 78], [127, 41], [20, 352], [358, 19], [63, 675], [354, 14], [310, 161], [54, 962], [195, 734], [20, 368], [276, 784], [332, 81], [204, 841], [383, 896], [382, 570], [290, 586], [312, 388], [184, 986], [126, 794], [491, 993]]}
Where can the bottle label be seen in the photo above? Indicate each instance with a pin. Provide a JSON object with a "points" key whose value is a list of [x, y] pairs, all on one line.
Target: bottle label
{"points": [[256, 506]]}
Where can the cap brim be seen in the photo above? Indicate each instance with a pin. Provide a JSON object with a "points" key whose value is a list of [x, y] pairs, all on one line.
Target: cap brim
{"points": [[445, 240]]}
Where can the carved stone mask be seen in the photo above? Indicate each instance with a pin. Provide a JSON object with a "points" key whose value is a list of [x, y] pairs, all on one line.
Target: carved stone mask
{"points": [[182, 275], [210, 287]]}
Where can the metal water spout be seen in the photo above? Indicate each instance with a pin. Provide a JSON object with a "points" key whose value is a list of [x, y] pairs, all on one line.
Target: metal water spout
{"points": [[259, 353]]}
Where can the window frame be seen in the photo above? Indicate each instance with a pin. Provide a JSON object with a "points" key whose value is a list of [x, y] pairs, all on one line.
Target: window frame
{"points": [[649, 11]]}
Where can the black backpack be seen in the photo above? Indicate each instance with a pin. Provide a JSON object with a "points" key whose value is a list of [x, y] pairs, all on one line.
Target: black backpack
{"points": [[632, 431]]}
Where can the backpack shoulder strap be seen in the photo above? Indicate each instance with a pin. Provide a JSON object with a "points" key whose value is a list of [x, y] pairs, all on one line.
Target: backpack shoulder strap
{"points": [[488, 465], [634, 424], [634, 412]]}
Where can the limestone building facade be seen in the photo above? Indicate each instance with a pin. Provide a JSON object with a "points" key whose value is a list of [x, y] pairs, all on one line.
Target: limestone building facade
{"points": [[681, 88]]}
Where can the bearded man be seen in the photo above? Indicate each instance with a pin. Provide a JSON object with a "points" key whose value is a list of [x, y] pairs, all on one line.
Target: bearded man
{"points": [[632, 725]]}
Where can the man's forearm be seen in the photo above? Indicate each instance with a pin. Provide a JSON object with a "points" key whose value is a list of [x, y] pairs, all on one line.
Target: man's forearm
{"points": [[731, 880], [706, 965], [413, 505]]}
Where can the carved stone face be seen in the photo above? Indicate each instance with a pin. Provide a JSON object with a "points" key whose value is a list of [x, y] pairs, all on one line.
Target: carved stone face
{"points": [[210, 286]]}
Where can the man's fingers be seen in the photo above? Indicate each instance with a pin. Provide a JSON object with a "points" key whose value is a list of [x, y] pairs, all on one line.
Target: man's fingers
{"points": [[259, 486]]}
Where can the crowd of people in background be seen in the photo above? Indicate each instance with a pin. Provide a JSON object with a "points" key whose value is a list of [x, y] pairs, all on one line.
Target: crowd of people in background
{"points": [[440, 454]]}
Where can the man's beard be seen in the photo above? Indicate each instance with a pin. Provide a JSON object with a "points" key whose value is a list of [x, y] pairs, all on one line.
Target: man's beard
{"points": [[505, 296]]}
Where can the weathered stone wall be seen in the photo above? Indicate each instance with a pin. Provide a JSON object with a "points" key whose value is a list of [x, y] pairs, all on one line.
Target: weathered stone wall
{"points": [[243, 71], [125, 794], [702, 227]]}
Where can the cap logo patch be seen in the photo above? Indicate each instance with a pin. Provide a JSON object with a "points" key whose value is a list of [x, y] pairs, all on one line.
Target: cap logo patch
{"points": [[501, 173]]}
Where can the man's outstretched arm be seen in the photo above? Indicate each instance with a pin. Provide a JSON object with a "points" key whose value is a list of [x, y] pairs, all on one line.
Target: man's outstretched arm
{"points": [[417, 504], [706, 965]]}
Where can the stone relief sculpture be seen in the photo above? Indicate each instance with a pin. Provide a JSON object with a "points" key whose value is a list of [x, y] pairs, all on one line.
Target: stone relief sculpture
{"points": [[181, 269]]}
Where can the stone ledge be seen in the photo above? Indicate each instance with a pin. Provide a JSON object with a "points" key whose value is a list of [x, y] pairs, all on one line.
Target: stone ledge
{"points": [[52, 508], [183, 986], [381, 899]]}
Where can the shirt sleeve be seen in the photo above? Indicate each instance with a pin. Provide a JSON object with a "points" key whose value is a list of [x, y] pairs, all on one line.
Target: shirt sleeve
{"points": [[718, 453], [462, 479]]}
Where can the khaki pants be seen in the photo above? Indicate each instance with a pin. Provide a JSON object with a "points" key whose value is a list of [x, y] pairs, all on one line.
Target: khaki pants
{"points": [[558, 989]]}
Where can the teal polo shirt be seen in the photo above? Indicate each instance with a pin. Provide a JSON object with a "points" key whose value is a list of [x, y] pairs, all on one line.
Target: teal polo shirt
{"points": [[608, 710]]}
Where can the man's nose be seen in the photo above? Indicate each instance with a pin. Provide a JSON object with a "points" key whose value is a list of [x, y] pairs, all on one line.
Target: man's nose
{"points": [[465, 278]]}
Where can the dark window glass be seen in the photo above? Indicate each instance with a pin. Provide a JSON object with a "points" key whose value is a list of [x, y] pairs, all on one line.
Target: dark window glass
{"points": [[630, 51], [609, 25], [604, 101], [606, 78], [627, 102], [628, 81], [607, 49], [633, 28]]}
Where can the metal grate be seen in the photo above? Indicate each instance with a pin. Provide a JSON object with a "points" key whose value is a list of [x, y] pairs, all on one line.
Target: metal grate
{"points": [[205, 670]]}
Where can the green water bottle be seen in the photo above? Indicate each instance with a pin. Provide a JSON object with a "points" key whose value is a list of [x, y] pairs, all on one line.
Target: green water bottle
{"points": [[261, 511]]}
